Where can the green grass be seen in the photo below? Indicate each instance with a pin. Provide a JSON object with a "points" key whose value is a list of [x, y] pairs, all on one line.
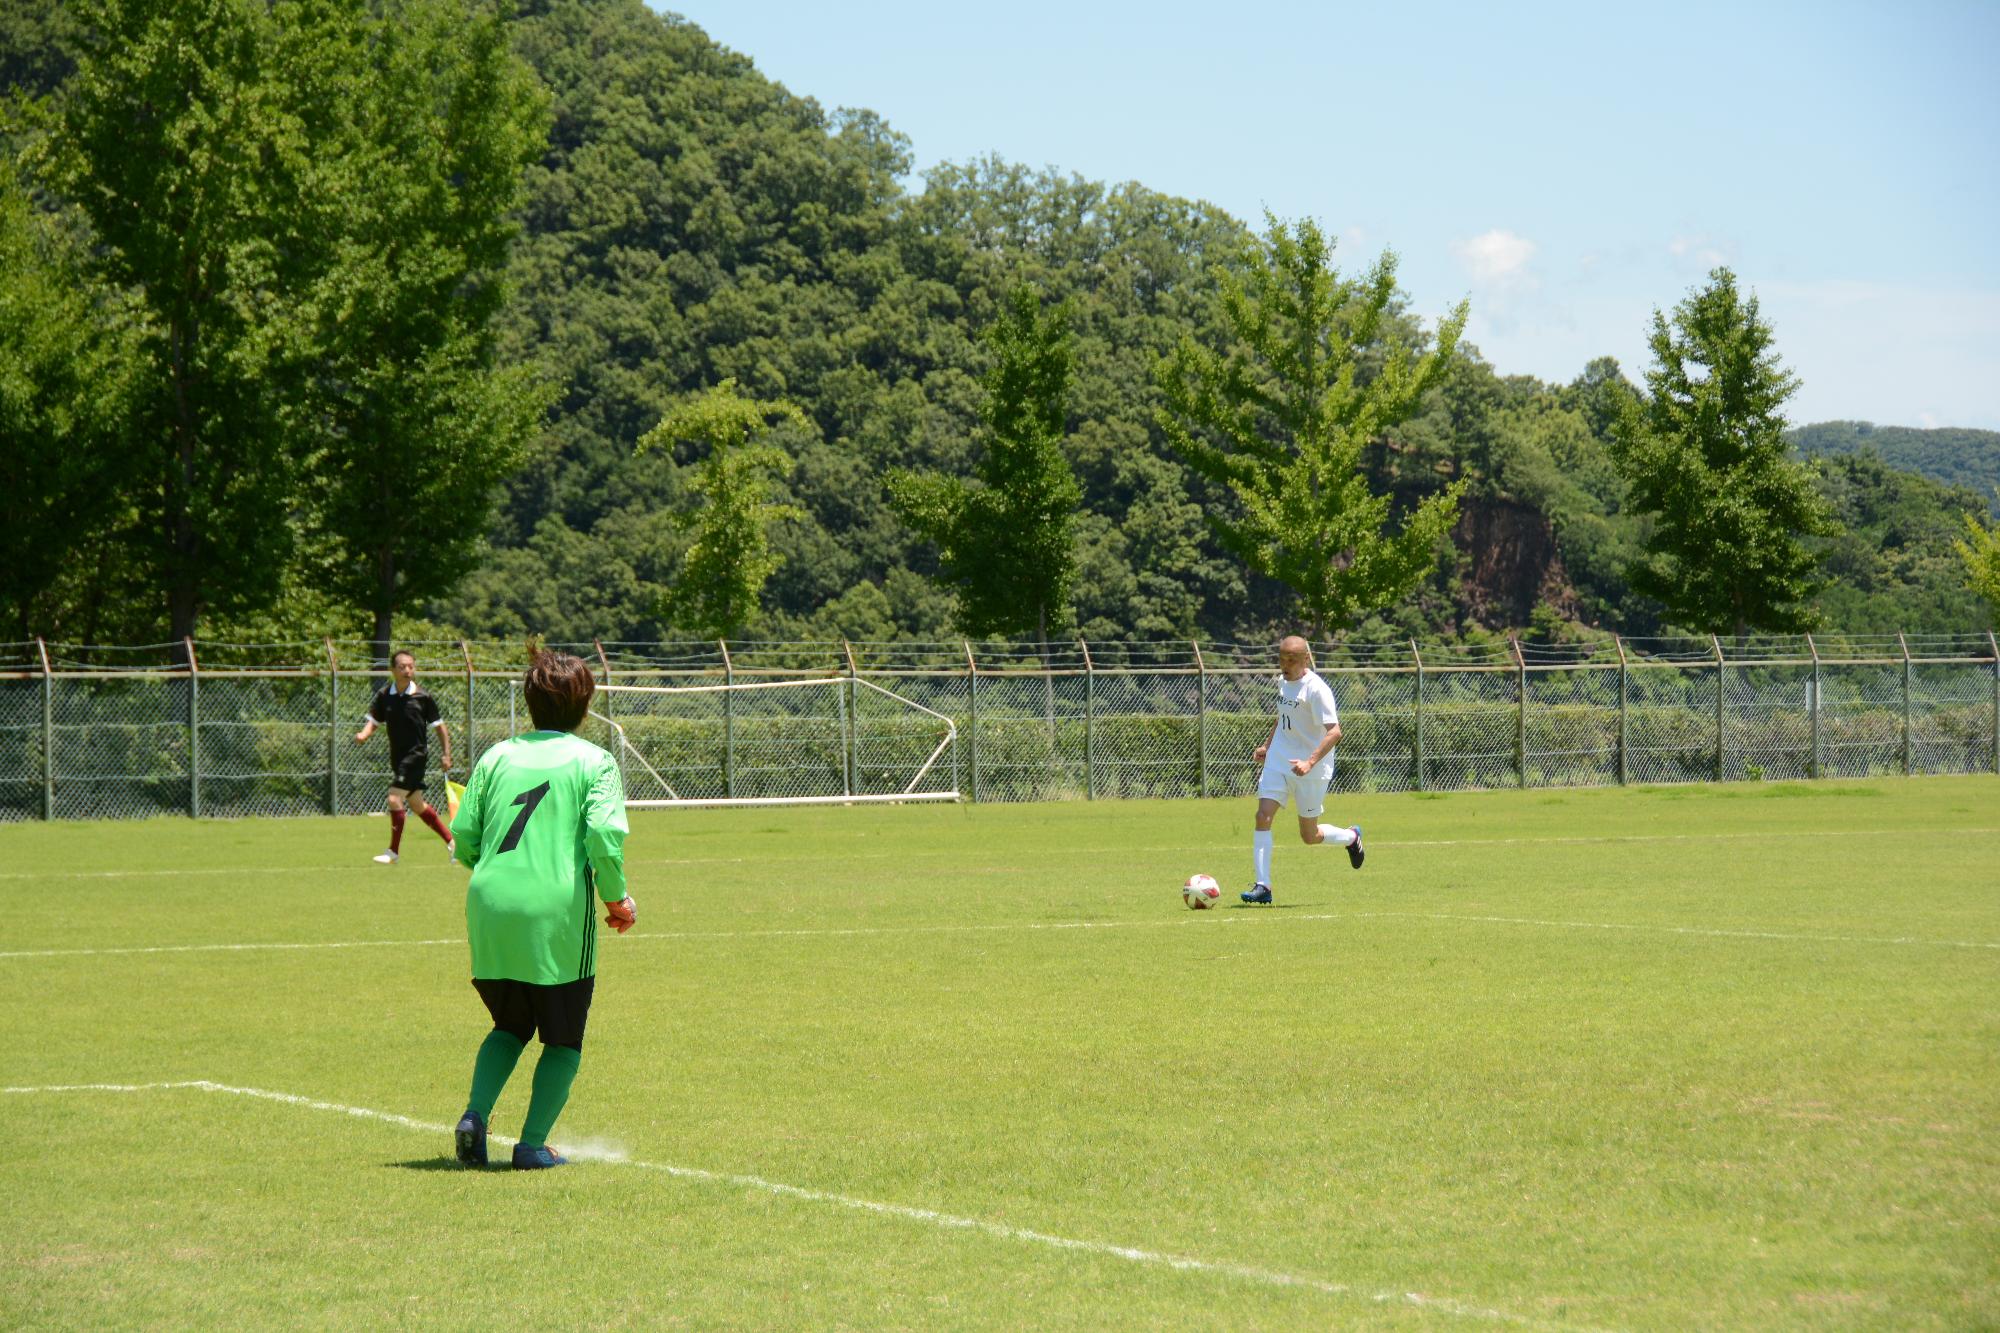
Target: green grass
{"points": [[1675, 1058]]}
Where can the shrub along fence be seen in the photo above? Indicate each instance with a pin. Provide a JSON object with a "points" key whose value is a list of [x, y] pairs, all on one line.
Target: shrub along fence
{"points": [[214, 729]]}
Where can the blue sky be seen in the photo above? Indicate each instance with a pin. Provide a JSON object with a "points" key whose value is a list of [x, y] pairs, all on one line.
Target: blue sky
{"points": [[1567, 167]]}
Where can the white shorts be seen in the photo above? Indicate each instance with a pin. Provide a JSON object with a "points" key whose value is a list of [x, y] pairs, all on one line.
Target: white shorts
{"points": [[1307, 794]]}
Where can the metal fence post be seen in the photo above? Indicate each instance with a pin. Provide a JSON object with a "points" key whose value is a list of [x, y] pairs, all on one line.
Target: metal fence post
{"points": [[957, 751], [1993, 647], [1417, 732], [471, 716], [1089, 724], [332, 730], [728, 720], [1904, 644], [1721, 698], [847, 712], [1201, 715], [49, 731], [604, 667], [1813, 648], [1521, 711], [1624, 712], [972, 695], [194, 731]]}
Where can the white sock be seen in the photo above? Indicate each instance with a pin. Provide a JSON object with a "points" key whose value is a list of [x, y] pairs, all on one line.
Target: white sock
{"points": [[1339, 837], [1260, 854]]}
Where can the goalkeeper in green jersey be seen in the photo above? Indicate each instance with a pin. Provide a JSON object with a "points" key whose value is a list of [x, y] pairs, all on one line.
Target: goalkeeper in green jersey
{"points": [[542, 825]]}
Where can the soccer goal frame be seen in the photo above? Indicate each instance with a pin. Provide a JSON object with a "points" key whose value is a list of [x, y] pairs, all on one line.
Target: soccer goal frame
{"points": [[846, 691]]}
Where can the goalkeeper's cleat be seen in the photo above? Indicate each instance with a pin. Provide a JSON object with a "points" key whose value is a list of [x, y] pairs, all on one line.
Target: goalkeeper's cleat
{"points": [[537, 1158], [471, 1138], [387, 859], [1258, 893], [1355, 856]]}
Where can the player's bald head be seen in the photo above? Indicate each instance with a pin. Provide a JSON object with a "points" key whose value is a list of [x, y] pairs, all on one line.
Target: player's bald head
{"points": [[1294, 656]]}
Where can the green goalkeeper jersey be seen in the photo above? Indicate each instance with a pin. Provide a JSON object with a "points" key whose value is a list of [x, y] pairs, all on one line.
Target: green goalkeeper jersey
{"points": [[542, 824]]}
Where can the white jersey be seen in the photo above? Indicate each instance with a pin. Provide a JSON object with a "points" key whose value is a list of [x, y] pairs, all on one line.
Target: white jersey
{"points": [[1305, 710]]}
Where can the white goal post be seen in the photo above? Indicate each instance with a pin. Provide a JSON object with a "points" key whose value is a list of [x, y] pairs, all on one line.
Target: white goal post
{"points": [[822, 740]]}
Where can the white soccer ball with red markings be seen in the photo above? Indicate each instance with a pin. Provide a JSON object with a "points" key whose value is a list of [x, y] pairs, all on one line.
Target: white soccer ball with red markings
{"points": [[1201, 892]]}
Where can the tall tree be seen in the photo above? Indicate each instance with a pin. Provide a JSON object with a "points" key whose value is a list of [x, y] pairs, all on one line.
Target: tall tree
{"points": [[182, 140], [1980, 550], [1006, 540], [66, 365], [1280, 418], [721, 578], [438, 120], [1705, 454]]}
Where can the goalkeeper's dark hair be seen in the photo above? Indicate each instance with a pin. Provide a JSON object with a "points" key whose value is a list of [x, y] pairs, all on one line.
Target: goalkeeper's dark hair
{"points": [[559, 689]]}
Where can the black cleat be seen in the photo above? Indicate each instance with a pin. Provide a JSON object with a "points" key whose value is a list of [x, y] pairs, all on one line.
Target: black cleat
{"points": [[1258, 893], [1355, 856], [471, 1137], [536, 1159]]}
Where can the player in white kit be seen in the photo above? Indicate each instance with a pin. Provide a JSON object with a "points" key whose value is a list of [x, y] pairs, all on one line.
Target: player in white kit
{"points": [[1298, 765]]}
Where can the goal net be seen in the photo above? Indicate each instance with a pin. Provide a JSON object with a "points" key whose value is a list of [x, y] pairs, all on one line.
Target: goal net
{"points": [[821, 741]]}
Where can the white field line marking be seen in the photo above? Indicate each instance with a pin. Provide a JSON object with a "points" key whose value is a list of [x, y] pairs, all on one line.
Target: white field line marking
{"points": [[1685, 930], [931, 1217], [1172, 921], [225, 948], [837, 856]]}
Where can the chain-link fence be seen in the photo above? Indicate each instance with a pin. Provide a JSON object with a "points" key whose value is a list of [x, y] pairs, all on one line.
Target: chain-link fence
{"points": [[232, 730]]}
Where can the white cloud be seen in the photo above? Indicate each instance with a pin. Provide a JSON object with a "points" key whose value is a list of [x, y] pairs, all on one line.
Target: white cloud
{"points": [[1704, 250], [1496, 256]]}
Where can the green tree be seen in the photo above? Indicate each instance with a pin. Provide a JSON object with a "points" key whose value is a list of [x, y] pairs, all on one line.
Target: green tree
{"points": [[1312, 374], [1980, 550], [1006, 541], [721, 578], [184, 140], [438, 122], [67, 358], [1705, 452]]}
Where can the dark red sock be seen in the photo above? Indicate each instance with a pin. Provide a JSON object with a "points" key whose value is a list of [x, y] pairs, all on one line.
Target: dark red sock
{"points": [[396, 818], [430, 816]]}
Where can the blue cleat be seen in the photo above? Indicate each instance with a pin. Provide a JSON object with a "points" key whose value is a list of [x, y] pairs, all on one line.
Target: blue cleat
{"points": [[1258, 893], [1355, 856], [536, 1159], [471, 1136]]}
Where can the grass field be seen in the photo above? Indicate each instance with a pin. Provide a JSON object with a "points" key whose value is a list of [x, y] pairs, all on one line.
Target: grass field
{"points": [[1677, 1058]]}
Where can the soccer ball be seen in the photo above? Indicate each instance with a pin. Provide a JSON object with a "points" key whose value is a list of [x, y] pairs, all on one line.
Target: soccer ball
{"points": [[1201, 892]]}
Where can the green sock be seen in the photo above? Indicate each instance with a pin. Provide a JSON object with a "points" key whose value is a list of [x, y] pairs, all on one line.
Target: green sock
{"points": [[554, 1072], [497, 1056]]}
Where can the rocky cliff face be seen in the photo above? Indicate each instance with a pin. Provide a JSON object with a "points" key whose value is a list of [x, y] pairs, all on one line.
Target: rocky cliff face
{"points": [[1512, 563]]}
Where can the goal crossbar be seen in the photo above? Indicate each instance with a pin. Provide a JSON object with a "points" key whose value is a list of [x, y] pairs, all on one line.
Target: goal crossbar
{"points": [[675, 800]]}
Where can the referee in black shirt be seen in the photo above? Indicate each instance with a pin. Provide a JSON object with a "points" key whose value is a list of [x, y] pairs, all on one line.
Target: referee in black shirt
{"points": [[411, 715]]}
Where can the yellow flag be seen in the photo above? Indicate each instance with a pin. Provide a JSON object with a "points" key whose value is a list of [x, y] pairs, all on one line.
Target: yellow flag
{"points": [[454, 792]]}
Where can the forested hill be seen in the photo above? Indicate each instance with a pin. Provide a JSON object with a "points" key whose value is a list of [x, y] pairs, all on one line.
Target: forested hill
{"points": [[694, 220], [1956, 457], [691, 221]]}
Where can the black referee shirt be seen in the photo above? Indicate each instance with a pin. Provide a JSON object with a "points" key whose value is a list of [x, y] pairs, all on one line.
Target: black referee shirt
{"points": [[408, 717]]}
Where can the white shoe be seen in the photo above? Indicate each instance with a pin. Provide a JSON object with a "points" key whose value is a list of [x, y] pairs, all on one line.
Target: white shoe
{"points": [[451, 850], [387, 859]]}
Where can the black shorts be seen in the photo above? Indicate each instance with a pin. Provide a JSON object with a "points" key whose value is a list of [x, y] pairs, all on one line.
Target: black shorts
{"points": [[522, 1008], [408, 772]]}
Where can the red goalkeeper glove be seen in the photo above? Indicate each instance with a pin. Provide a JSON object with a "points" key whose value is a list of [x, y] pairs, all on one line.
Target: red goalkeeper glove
{"points": [[621, 915]]}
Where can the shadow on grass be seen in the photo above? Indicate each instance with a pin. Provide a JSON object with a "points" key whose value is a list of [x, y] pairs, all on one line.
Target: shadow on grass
{"points": [[1270, 907], [444, 1164]]}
